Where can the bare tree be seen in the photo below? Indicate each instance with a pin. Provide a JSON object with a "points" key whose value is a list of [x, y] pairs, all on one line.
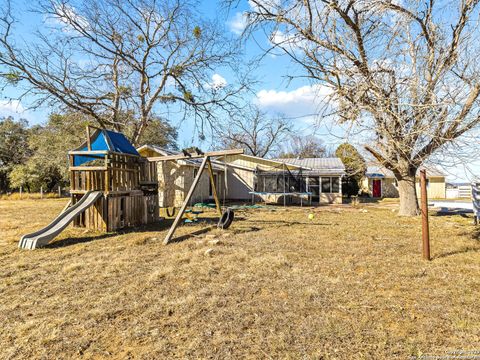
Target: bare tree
{"points": [[117, 60], [304, 146], [406, 71], [253, 130]]}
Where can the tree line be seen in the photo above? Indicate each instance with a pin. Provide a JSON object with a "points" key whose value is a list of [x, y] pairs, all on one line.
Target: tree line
{"points": [[403, 74], [35, 157]]}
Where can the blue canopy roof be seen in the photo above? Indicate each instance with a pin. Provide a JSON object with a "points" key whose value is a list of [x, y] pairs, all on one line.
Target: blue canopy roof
{"points": [[105, 140]]}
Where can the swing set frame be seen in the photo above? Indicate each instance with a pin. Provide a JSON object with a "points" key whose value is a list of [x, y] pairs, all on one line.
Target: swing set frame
{"points": [[205, 163]]}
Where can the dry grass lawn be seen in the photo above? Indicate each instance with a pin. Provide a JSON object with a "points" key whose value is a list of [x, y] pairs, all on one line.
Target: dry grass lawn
{"points": [[348, 285]]}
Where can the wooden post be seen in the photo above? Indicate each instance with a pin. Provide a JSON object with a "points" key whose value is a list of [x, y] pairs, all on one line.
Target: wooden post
{"points": [[196, 156], [214, 188], [89, 144], [72, 173], [21, 190], [59, 191], [424, 210], [41, 192], [107, 176], [168, 238]]}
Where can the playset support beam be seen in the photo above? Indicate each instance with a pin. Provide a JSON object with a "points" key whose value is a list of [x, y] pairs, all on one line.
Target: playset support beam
{"points": [[197, 156], [206, 161], [177, 220], [89, 142]]}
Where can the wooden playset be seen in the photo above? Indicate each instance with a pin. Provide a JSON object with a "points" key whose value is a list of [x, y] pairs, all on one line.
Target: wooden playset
{"points": [[113, 187], [127, 180]]}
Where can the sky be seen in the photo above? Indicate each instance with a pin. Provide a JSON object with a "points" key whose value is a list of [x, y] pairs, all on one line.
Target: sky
{"points": [[297, 99]]}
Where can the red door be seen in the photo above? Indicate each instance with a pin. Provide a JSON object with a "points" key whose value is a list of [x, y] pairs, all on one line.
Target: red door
{"points": [[377, 188]]}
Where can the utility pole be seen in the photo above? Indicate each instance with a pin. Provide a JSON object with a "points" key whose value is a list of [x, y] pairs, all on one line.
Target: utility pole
{"points": [[424, 210]]}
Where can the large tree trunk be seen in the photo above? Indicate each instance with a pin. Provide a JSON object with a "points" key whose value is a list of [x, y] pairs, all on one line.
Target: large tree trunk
{"points": [[408, 194]]}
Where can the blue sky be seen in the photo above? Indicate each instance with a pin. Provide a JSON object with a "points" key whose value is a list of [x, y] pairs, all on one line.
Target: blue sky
{"points": [[297, 99], [274, 94]]}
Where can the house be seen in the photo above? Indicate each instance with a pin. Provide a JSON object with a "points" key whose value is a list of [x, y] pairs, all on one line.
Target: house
{"points": [[246, 178], [459, 190], [176, 177], [271, 179], [379, 182]]}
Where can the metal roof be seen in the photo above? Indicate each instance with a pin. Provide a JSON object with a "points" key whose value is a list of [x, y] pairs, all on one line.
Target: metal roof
{"points": [[318, 166], [377, 170], [331, 165]]}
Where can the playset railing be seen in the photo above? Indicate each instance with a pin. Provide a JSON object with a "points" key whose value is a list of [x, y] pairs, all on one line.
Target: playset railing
{"points": [[111, 173]]}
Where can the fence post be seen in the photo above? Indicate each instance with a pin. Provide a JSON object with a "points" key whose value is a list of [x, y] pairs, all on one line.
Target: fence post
{"points": [[21, 190], [59, 191], [41, 192], [425, 225]]}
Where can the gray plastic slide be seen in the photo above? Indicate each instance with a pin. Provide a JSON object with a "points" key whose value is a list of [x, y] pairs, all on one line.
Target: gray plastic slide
{"points": [[44, 236]]}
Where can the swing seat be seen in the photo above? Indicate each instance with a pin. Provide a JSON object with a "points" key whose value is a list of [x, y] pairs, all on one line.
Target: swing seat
{"points": [[226, 219]]}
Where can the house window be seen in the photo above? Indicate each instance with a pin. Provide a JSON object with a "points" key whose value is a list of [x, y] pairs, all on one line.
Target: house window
{"points": [[326, 185], [270, 184], [330, 184], [335, 184], [314, 188], [297, 183], [282, 182]]}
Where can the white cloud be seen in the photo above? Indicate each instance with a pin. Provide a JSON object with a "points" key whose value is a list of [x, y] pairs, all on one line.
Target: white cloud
{"points": [[65, 15], [289, 41], [279, 38], [305, 100], [15, 109], [240, 20], [218, 82], [11, 107], [259, 5], [309, 108], [238, 23]]}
